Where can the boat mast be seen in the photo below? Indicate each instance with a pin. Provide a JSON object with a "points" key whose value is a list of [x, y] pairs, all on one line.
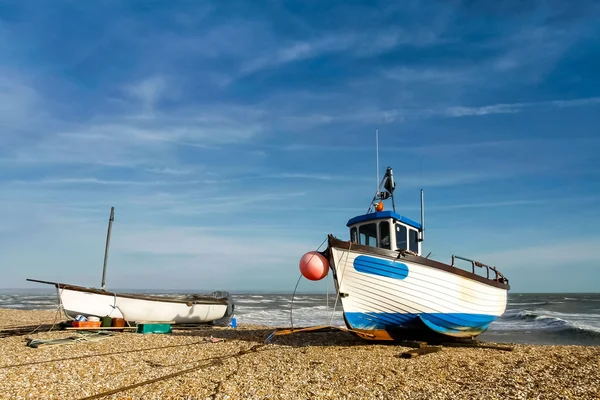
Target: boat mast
{"points": [[387, 182], [110, 221], [377, 158]]}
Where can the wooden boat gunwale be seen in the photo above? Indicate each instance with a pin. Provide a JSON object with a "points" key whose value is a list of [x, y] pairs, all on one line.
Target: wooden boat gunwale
{"points": [[399, 255], [197, 299]]}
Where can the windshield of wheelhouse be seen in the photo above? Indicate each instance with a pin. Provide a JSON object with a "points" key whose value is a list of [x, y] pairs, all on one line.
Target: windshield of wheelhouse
{"points": [[407, 238], [401, 237], [367, 234], [384, 235], [375, 234]]}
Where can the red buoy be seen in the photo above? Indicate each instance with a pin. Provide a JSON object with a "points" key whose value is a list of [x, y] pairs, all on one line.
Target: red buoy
{"points": [[314, 266]]}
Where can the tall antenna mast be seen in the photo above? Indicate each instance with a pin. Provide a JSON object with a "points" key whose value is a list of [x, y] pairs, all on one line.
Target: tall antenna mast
{"points": [[377, 157]]}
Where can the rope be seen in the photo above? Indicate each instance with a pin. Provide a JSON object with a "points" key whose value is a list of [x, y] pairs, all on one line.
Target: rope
{"points": [[327, 293], [296, 287], [17, 331], [214, 361], [21, 330], [101, 354], [292, 303], [43, 324]]}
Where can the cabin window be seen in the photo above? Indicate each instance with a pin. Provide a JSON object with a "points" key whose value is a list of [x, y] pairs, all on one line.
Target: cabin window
{"points": [[413, 240], [368, 234], [384, 235], [354, 235], [401, 236]]}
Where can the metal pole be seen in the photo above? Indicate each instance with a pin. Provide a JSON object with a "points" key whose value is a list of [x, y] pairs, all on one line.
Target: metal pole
{"points": [[110, 221], [422, 217]]}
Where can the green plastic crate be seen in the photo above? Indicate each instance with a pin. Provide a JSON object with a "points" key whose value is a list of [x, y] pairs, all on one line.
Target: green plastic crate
{"points": [[153, 328]]}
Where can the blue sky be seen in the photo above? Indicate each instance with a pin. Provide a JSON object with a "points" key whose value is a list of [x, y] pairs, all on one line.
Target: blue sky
{"points": [[232, 137]]}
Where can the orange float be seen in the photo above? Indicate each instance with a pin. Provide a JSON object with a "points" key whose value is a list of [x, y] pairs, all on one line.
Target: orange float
{"points": [[314, 266]]}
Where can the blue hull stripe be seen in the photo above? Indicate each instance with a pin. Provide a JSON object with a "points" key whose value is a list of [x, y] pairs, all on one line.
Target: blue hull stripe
{"points": [[436, 321], [380, 267]]}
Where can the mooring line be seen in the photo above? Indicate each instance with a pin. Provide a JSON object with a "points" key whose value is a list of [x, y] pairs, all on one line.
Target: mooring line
{"points": [[215, 361], [103, 354]]}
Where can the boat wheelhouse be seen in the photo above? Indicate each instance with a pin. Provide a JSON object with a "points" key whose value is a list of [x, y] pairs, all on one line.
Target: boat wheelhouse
{"points": [[386, 230]]}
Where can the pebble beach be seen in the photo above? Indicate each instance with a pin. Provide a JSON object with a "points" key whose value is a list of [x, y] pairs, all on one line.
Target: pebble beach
{"points": [[226, 363]]}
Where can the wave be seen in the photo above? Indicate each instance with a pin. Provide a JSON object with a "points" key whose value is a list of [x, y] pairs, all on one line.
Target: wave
{"points": [[251, 301], [575, 324], [305, 316]]}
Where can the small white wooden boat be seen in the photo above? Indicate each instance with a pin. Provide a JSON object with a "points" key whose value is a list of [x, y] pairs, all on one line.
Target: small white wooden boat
{"points": [[388, 290], [186, 309]]}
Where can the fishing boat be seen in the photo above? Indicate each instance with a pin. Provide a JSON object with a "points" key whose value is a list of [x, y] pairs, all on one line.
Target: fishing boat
{"points": [[185, 309], [389, 291], [179, 309]]}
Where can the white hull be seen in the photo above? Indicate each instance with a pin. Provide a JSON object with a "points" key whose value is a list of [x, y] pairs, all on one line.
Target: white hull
{"points": [[181, 313], [382, 293], [76, 300]]}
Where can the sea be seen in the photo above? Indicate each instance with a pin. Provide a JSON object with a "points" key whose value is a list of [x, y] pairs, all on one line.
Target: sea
{"points": [[530, 318]]}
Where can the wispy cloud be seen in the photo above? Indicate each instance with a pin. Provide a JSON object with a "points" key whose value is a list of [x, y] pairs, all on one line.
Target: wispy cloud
{"points": [[541, 257], [534, 51], [20, 104], [96, 181], [518, 107], [150, 91], [496, 204], [169, 171], [357, 44], [213, 246], [131, 141], [309, 177], [484, 110], [433, 75], [388, 116]]}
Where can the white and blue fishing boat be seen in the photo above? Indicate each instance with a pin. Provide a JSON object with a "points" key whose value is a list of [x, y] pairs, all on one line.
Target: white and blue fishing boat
{"points": [[389, 291]]}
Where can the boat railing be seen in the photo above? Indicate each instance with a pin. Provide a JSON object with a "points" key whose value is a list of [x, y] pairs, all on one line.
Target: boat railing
{"points": [[498, 275]]}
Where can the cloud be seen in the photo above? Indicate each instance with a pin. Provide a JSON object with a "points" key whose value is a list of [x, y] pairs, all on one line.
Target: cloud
{"points": [[430, 75], [19, 104], [230, 205], [496, 204], [535, 50], [356, 112], [169, 171], [130, 141], [485, 110], [540, 257], [518, 107], [213, 246], [364, 44], [149, 91], [310, 177], [394, 115], [96, 181], [295, 52]]}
